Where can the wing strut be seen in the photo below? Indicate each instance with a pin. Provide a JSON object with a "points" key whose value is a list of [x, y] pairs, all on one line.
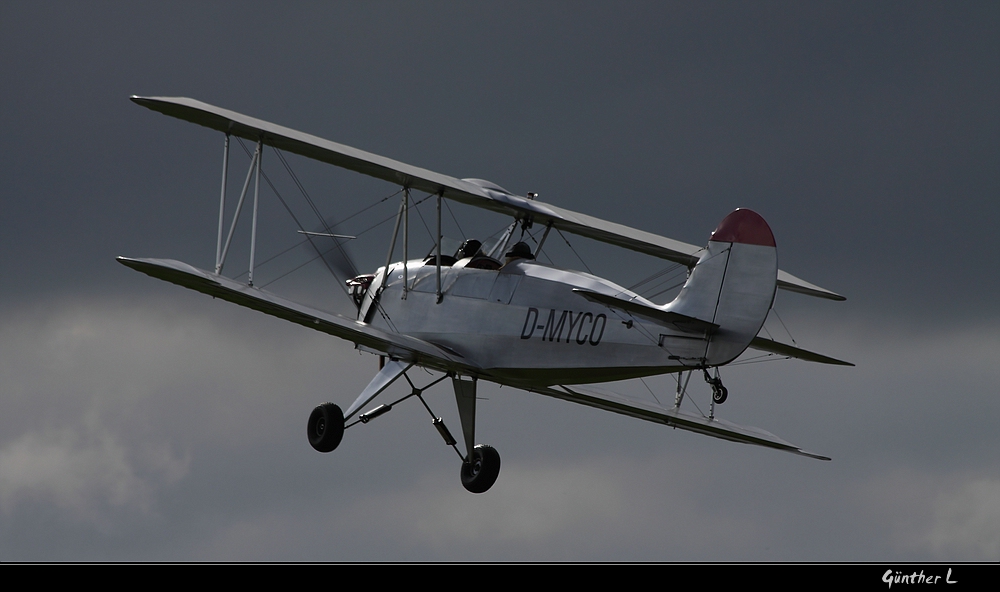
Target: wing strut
{"points": [[438, 238], [256, 195], [223, 251], [222, 205], [392, 243], [541, 243]]}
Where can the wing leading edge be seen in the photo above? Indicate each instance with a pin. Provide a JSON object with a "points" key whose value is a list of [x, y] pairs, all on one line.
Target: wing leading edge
{"points": [[458, 190]]}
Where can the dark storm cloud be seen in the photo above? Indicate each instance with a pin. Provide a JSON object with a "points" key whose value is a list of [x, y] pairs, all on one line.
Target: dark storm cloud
{"points": [[864, 133], [164, 425]]}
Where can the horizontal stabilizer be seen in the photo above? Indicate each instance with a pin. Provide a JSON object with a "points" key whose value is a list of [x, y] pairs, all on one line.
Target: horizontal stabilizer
{"points": [[774, 347], [672, 417], [460, 190], [680, 322], [396, 346], [787, 281]]}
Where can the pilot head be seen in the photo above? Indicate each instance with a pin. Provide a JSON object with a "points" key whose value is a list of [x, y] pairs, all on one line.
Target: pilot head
{"points": [[469, 248], [519, 251]]}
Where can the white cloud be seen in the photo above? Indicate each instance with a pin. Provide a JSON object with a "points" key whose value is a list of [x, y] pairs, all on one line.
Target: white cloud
{"points": [[88, 477], [965, 522], [923, 514]]}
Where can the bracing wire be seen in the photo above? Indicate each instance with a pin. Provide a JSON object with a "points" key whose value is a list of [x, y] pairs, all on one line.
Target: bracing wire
{"points": [[534, 240], [319, 216], [654, 276], [292, 214], [643, 381], [761, 358], [448, 207], [424, 222], [315, 210], [783, 325], [328, 251], [574, 251]]}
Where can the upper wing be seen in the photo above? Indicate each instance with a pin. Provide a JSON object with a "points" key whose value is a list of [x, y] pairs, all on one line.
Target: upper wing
{"points": [[394, 345], [459, 190], [672, 417]]}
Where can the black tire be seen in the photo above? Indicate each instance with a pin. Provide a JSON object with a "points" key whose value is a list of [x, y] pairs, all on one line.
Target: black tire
{"points": [[481, 473], [326, 427], [720, 394]]}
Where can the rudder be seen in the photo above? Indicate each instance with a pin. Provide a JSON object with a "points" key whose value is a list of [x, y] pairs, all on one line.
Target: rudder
{"points": [[732, 285]]}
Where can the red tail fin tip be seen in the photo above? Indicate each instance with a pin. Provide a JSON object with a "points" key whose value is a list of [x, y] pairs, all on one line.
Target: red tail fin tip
{"points": [[744, 226]]}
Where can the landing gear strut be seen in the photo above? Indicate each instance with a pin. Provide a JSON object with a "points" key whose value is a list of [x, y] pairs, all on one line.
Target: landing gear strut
{"points": [[481, 464]]}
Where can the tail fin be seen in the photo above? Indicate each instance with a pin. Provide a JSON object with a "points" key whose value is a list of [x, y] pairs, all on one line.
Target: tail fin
{"points": [[732, 285]]}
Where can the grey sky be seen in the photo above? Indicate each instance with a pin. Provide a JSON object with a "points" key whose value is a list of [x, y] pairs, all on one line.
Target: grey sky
{"points": [[141, 421]]}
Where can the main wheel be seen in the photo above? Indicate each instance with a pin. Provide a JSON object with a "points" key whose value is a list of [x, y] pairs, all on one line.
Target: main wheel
{"points": [[326, 427], [720, 394], [482, 471]]}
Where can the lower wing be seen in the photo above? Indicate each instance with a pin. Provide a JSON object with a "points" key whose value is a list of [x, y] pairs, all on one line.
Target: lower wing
{"points": [[394, 345], [672, 417]]}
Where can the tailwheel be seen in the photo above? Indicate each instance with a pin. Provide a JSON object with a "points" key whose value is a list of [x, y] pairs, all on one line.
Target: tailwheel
{"points": [[719, 392], [326, 427], [480, 472]]}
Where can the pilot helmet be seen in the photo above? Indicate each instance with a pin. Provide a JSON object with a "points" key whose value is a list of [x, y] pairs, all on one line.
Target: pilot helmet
{"points": [[469, 248], [520, 250]]}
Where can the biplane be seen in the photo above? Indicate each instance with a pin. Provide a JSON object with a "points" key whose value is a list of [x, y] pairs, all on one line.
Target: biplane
{"points": [[494, 312]]}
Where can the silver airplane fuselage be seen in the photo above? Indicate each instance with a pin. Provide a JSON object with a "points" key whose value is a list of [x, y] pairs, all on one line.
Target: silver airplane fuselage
{"points": [[524, 324]]}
